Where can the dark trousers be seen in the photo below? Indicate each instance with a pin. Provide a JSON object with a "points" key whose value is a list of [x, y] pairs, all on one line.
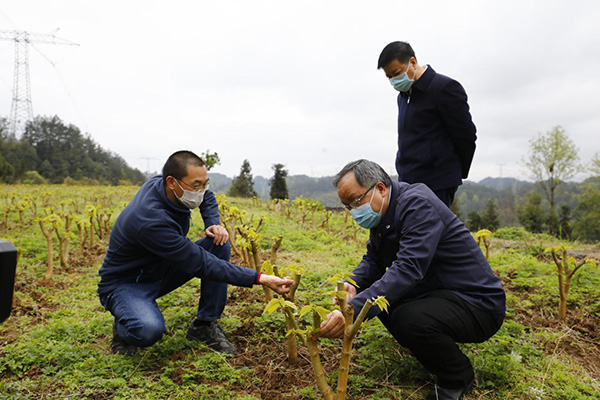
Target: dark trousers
{"points": [[446, 195], [431, 326], [140, 322]]}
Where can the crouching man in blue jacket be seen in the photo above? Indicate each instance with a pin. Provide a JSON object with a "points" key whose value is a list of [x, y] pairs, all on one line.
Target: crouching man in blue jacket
{"points": [[421, 257], [149, 256]]}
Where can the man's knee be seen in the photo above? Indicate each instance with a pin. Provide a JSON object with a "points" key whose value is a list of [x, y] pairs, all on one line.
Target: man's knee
{"points": [[410, 327], [223, 252], [144, 333]]}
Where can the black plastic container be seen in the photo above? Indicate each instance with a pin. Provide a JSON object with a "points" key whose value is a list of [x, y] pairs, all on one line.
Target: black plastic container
{"points": [[8, 266]]}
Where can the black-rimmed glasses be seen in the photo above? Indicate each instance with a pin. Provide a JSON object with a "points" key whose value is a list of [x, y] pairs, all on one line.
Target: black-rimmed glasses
{"points": [[356, 202]]}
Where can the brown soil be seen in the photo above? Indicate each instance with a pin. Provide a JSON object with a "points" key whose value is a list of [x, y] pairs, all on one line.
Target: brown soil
{"points": [[30, 300], [579, 333], [279, 379]]}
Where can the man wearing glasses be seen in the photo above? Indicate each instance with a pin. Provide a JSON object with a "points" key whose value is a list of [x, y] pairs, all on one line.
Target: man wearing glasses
{"points": [[421, 257], [149, 256]]}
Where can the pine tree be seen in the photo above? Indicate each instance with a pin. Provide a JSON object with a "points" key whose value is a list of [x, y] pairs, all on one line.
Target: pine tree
{"points": [[490, 218], [474, 221], [242, 185], [279, 188], [455, 208], [531, 215], [564, 221], [587, 212]]}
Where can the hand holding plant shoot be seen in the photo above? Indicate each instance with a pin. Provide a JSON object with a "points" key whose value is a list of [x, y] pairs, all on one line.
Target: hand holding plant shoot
{"points": [[275, 283], [350, 292], [341, 322], [335, 324]]}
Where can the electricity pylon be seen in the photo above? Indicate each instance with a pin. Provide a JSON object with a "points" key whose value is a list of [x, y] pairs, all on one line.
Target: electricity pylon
{"points": [[148, 159], [21, 110]]}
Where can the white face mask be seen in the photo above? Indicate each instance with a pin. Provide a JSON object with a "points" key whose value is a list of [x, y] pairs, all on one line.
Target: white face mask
{"points": [[190, 199]]}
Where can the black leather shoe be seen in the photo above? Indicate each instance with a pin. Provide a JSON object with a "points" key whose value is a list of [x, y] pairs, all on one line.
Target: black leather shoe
{"points": [[441, 393], [118, 346], [213, 335]]}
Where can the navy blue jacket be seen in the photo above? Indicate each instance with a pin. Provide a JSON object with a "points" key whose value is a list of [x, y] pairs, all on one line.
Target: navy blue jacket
{"points": [[436, 137], [420, 246], [149, 237]]}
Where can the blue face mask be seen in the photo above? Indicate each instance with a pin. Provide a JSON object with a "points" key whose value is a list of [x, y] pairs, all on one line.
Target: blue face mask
{"points": [[402, 82], [365, 216]]}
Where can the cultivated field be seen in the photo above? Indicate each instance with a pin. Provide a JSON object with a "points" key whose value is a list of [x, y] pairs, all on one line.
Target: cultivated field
{"points": [[56, 343]]}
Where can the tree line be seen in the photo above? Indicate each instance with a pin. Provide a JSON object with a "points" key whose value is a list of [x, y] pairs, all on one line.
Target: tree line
{"points": [[51, 151], [492, 203], [550, 205]]}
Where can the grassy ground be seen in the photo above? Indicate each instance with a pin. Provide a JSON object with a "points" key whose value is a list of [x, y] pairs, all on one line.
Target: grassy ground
{"points": [[56, 343]]}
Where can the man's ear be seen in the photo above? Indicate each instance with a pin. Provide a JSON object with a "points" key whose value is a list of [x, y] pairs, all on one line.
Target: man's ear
{"points": [[170, 182]]}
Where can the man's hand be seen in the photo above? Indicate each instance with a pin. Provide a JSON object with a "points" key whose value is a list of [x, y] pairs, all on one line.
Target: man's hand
{"points": [[218, 233], [334, 326], [279, 285], [351, 293]]}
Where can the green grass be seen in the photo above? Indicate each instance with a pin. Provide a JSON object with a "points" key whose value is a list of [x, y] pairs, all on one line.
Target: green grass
{"points": [[56, 344]]}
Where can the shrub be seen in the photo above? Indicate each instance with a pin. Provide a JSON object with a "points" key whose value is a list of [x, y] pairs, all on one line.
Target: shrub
{"points": [[33, 178], [511, 233]]}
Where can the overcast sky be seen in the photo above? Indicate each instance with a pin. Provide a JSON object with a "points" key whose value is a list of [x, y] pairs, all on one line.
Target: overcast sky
{"points": [[296, 82]]}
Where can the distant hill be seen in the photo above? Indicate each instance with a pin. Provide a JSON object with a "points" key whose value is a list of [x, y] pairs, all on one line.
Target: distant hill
{"points": [[502, 183], [218, 182], [320, 189], [509, 193]]}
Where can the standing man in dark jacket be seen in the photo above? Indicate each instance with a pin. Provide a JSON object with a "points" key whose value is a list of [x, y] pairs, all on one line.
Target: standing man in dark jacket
{"points": [[436, 137], [149, 256], [421, 257]]}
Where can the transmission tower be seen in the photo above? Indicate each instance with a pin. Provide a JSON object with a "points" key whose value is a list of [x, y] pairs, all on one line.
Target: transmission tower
{"points": [[21, 110], [148, 159]]}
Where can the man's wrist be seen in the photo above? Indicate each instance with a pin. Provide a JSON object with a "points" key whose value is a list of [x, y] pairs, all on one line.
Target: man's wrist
{"points": [[258, 277]]}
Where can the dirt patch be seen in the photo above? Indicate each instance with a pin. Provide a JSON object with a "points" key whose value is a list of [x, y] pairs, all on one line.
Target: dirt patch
{"points": [[279, 379], [593, 253], [270, 362], [30, 298], [578, 336]]}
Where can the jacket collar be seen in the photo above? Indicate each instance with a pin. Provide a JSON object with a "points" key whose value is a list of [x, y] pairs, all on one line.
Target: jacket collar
{"points": [[423, 82], [174, 206], [390, 214]]}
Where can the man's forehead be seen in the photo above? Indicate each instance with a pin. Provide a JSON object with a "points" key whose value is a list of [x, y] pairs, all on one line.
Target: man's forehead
{"points": [[348, 187], [197, 173]]}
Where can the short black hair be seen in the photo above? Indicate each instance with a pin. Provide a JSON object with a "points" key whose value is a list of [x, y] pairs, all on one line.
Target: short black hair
{"points": [[177, 164], [367, 173], [400, 51]]}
